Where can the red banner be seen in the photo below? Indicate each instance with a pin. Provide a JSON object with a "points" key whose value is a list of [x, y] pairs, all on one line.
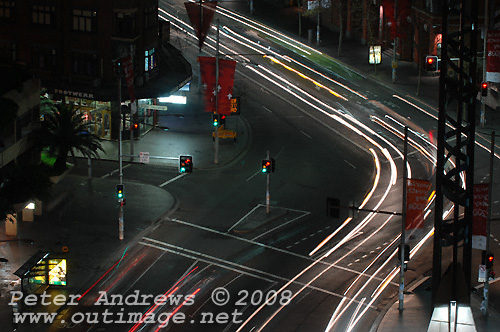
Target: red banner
{"points": [[128, 69], [480, 216], [400, 25], [226, 82], [416, 201], [493, 56], [201, 14]]}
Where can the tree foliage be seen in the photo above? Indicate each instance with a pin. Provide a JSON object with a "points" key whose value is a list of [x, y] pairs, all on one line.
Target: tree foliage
{"points": [[64, 131]]}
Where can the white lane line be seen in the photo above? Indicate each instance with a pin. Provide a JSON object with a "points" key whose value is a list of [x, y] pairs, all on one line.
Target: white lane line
{"points": [[348, 163], [305, 134], [267, 109], [242, 218], [172, 180], [185, 223], [252, 176], [115, 171]]}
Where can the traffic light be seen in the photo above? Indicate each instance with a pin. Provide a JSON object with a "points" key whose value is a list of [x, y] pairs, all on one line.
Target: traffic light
{"points": [[332, 207], [484, 89], [120, 195], [490, 259], [135, 126], [216, 120], [407, 253], [185, 164], [431, 63], [266, 166]]}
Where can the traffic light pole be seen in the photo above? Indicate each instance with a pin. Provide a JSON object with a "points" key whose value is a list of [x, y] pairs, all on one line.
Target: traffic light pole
{"points": [[403, 224], [268, 186], [488, 222], [120, 213]]}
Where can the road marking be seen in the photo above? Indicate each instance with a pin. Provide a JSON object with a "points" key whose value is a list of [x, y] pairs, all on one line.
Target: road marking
{"points": [[276, 249], [305, 134], [115, 171], [267, 109], [251, 177], [172, 180], [348, 163], [284, 224]]}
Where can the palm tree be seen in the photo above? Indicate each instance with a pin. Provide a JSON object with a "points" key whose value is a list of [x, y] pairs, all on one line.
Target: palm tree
{"points": [[64, 131]]}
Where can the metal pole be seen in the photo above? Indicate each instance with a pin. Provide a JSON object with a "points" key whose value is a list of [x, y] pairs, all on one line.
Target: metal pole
{"points": [[317, 31], [120, 213], [132, 107], [216, 157], [268, 186], [403, 224], [394, 56], [488, 222], [482, 118]]}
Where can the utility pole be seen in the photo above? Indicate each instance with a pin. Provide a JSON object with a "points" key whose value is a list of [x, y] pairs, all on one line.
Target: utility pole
{"points": [[403, 224], [488, 223], [216, 157]]}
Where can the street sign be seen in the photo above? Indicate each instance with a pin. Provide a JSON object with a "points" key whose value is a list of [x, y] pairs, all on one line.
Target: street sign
{"points": [[144, 157], [235, 105], [154, 107], [375, 56], [481, 277]]}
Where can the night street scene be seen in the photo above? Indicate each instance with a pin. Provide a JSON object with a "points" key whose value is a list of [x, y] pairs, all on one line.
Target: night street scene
{"points": [[253, 165]]}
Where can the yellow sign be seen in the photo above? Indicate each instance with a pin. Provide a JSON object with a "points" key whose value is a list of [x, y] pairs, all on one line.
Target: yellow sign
{"points": [[235, 105]]}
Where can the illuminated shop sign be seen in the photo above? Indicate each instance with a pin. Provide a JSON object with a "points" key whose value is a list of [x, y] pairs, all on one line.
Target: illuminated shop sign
{"points": [[77, 94], [49, 272]]}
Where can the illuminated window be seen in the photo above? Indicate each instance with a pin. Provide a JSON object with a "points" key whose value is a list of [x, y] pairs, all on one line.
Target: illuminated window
{"points": [[84, 20], [44, 15], [7, 9], [149, 60]]}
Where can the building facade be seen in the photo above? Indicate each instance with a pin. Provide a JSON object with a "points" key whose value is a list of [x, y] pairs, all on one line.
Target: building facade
{"points": [[74, 46]]}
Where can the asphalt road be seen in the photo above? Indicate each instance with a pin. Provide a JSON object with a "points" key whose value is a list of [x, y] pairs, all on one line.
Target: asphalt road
{"points": [[275, 274]]}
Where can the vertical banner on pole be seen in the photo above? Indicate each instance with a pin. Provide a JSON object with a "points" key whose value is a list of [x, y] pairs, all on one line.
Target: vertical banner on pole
{"points": [[493, 56], [416, 201], [201, 15], [480, 216], [128, 68], [226, 83]]}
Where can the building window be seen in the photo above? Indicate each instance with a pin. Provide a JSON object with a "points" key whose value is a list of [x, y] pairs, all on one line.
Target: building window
{"points": [[150, 17], [8, 52], [84, 20], [44, 15], [7, 9], [125, 24], [149, 60], [85, 64], [44, 58]]}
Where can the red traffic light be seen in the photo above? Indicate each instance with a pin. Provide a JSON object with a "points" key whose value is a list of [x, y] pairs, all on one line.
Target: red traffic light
{"points": [[430, 60], [484, 89]]}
